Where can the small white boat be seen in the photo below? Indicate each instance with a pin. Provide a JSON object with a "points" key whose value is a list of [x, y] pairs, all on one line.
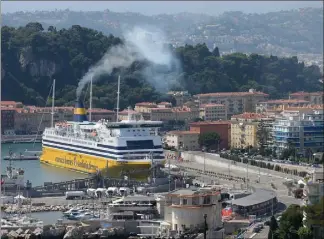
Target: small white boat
{"points": [[72, 210]]}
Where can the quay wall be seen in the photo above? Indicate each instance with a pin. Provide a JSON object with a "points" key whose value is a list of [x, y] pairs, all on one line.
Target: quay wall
{"points": [[20, 138]]}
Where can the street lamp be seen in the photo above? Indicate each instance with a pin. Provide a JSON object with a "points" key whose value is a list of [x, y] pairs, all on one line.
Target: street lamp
{"points": [[205, 226], [204, 149]]}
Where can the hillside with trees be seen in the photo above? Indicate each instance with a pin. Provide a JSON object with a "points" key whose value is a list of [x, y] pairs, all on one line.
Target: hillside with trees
{"points": [[32, 57], [280, 33]]}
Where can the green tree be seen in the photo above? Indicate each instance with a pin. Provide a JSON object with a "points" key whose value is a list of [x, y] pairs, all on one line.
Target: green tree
{"points": [[209, 140], [305, 233], [216, 52], [263, 136], [291, 220], [315, 213], [273, 229], [67, 54]]}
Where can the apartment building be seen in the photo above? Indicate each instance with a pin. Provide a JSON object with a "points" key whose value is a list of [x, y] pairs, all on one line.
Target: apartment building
{"points": [[145, 107], [222, 128], [123, 115], [187, 208], [165, 112], [212, 112], [7, 120], [312, 97], [301, 128], [244, 129], [11, 104], [180, 97], [313, 193], [98, 114], [235, 102], [280, 105], [185, 114], [31, 119], [183, 140]]}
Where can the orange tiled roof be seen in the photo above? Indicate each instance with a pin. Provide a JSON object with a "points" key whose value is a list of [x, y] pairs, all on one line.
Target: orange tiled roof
{"points": [[145, 104], [314, 107], [303, 93], [181, 109], [220, 94], [282, 101], [165, 103], [210, 123], [248, 115], [182, 132], [8, 108], [125, 112], [161, 109]]}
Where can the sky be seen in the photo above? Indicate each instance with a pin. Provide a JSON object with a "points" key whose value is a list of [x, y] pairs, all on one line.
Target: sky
{"points": [[159, 7]]}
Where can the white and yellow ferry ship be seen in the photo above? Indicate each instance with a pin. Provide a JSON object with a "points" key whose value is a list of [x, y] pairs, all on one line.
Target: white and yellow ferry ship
{"points": [[128, 147]]}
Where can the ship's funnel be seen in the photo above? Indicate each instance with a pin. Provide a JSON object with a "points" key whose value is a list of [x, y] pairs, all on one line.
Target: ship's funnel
{"points": [[80, 113]]}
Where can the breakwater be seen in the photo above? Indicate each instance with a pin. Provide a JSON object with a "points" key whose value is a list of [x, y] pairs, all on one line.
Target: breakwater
{"points": [[30, 138], [65, 231]]}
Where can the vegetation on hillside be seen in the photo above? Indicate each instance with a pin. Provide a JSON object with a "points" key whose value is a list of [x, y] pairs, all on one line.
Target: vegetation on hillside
{"points": [[33, 56], [280, 33]]}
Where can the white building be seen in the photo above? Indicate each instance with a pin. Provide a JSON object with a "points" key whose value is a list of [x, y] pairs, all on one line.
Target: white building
{"points": [[186, 208], [314, 192], [186, 140], [300, 130]]}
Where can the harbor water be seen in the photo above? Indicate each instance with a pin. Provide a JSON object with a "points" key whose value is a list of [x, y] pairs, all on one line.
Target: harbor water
{"points": [[36, 172]]}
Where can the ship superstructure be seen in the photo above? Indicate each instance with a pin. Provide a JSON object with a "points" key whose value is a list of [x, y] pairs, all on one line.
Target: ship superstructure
{"points": [[130, 146]]}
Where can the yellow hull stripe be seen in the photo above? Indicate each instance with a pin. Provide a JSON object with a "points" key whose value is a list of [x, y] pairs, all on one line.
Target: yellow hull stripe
{"points": [[90, 164], [80, 111]]}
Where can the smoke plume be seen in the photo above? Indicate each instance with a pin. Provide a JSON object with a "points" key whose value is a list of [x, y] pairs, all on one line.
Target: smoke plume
{"points": [[139, 45]]}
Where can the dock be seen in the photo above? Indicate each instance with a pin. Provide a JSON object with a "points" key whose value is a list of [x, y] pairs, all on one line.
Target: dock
{"points": [[50, 189], [21, 158], [7, 139]]}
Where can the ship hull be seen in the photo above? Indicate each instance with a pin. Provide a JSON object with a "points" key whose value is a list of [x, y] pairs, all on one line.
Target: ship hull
{"points": [[138, 169]]}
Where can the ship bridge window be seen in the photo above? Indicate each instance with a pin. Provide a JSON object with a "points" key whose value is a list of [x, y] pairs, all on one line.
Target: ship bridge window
{"points": [[140, 144]]}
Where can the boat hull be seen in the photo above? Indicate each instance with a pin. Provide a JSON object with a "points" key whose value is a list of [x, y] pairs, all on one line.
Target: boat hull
{"points": [[92, 164]]}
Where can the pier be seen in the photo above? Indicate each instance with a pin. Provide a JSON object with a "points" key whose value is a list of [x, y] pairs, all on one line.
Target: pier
{"points": [[50, 189], [91, 182], [7, 139]]}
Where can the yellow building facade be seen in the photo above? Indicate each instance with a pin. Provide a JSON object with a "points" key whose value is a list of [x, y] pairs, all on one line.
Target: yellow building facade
{"points": [[244, 129]]}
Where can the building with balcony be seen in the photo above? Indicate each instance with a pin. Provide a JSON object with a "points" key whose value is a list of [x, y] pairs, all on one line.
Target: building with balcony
{"points": [[312, 97], [144, 107], [98, 114], [164, 111], [185, 140], [235, 102], [313, 193], [212, 112], [222, 128], [7, 120], [180, 97], [301, 130], [11, 104], [244, 129], [186, 208], [279, 105]]}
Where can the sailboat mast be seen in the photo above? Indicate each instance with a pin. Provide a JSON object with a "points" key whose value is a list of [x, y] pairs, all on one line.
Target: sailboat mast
{"points": [[90, 111], [53, 99], [118, 92]]}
